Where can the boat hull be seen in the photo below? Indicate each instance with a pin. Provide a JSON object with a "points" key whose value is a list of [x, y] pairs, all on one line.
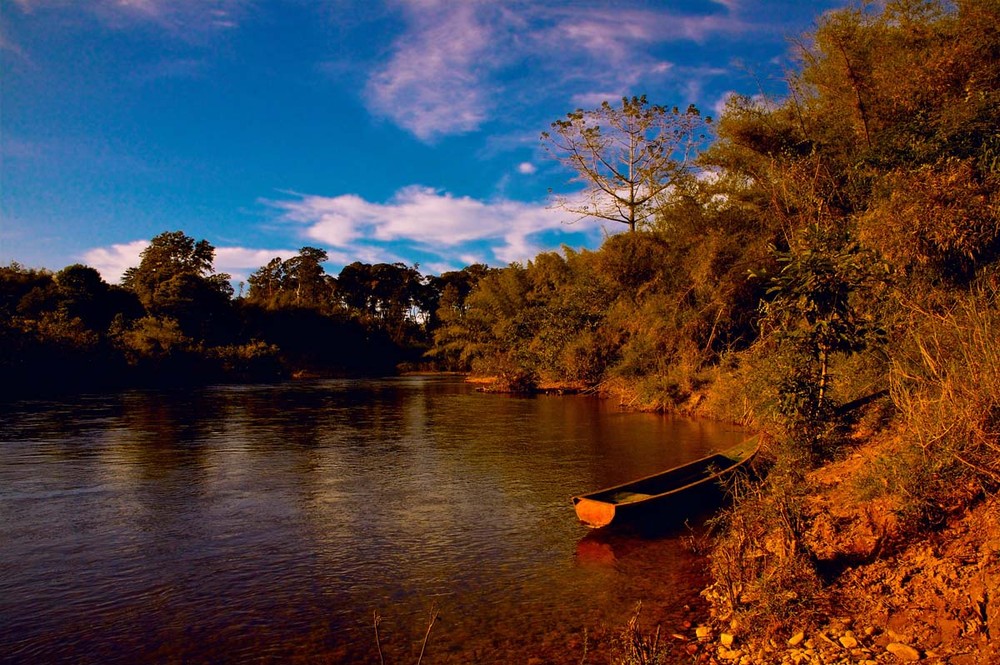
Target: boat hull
{"points": [[672, 496]]}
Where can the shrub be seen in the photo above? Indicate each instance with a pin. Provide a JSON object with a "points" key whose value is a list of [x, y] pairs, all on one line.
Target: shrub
{"points": [[762, 576]]}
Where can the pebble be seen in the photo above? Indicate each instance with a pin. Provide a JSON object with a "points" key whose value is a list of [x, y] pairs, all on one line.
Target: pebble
{"points": [[903, 651], [848, 641], [796, 639], [726, 639], [703, 632]]}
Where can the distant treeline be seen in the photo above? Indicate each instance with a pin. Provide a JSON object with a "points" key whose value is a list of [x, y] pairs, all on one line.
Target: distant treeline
{"points": [[174, 321]]}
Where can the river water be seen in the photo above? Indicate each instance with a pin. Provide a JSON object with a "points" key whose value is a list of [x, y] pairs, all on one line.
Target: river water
{"points": [[269, 523]]}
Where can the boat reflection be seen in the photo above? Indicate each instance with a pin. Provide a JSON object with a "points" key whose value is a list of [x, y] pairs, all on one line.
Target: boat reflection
{"points": [[590, 551]]}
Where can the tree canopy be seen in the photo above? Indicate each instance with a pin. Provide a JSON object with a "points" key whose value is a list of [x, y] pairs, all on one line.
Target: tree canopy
{"points": [[628, 158]]}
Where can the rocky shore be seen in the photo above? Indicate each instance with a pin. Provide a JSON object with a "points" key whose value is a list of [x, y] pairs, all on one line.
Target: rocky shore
{"points": [[934, 598]]}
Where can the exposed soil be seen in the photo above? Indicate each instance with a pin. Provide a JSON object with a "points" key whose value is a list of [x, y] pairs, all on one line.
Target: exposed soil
{"points": [[891, 597]]}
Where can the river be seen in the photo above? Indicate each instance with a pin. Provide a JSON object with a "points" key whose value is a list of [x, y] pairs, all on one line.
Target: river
{"points": [[268, 523]]}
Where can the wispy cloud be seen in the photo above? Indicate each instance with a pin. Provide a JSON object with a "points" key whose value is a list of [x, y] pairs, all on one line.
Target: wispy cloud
{"points": [[731, 5], [9, 45], [183, 17], [174, 68], [429, 222], [605, 54], [446, 71], [433, 84]]}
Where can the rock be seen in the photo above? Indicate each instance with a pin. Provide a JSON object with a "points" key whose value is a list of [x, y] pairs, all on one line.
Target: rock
{"points": [[848, 641], [903, 651], [726, 639], [729, 654], [703, 632], [796, 639], [897, 637]]}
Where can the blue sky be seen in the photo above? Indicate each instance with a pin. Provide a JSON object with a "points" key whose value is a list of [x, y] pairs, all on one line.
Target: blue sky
{"points": [[395, 130]]}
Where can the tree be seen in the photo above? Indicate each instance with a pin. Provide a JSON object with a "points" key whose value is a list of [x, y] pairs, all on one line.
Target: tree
{"points": [[389, 296], [267, 282], [811, 308], [306, 276], [448, 305], [169, 254], [300, 281], [84, 294], [628, 158], [174, 279]]}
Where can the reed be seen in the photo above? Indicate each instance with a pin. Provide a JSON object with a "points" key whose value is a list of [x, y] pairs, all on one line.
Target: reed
{"points": [[634, 647], [377, 620]]}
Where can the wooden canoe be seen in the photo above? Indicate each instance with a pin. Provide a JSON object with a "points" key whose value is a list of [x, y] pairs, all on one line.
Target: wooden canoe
{"points": [[669, 495]]}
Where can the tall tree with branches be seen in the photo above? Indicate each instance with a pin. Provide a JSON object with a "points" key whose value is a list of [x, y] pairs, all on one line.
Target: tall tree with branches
{"points": [[628, 157]]}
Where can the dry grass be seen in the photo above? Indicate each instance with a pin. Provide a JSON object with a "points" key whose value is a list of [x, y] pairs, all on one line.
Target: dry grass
{"points": [[762, 574], [946, 385], [635, 647]]}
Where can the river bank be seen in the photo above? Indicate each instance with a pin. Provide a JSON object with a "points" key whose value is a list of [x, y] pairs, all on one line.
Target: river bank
{"points": [[890, 593]]}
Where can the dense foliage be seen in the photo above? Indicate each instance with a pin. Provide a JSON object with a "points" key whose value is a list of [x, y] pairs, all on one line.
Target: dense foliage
{"points": [[174, 320]]}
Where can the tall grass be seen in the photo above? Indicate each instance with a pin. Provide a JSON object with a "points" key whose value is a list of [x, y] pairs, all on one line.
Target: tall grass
{"points": [[945, 381]]}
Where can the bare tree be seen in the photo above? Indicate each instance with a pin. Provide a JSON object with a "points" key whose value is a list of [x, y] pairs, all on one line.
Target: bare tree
{"points": [[628, 157]]}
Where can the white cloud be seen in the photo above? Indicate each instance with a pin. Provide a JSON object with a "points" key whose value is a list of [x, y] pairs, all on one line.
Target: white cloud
{"points": [[113, 261], [427, 221], [586, 100], [720, 104], [526, 168]]}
